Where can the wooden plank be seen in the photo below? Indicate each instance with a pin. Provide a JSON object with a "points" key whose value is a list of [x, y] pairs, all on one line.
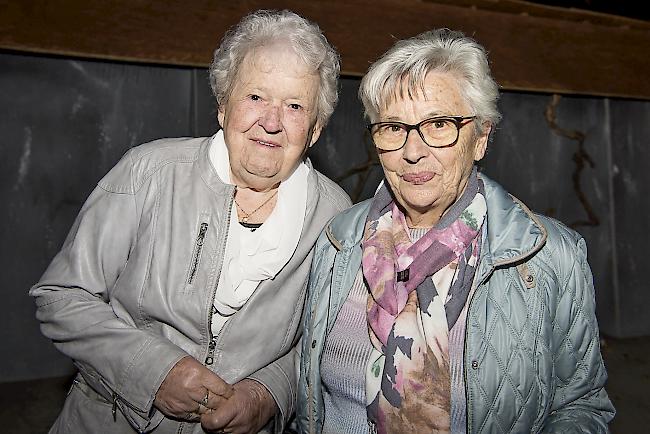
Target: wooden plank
{"points": [[523, 7], [533, 50]]}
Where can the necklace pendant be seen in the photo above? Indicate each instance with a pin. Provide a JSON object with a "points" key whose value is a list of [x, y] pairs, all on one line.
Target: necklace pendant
{"points": [[245, 219]]}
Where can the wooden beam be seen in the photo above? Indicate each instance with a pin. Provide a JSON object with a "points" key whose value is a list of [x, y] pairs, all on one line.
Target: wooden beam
{"points": [[532, 48]]}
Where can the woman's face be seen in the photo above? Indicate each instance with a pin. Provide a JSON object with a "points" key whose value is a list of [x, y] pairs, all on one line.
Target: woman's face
{"points": [[269, 119], [427, 181]]}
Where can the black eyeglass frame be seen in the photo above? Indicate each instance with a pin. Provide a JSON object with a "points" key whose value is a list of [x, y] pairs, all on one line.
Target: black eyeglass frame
{"points": [[459, 121]]}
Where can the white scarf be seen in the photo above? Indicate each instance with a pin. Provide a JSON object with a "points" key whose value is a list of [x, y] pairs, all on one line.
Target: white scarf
{"points": [[252, 257]]}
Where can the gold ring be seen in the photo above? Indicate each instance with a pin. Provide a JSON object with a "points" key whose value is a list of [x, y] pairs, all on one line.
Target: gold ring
{"points": [[204, 401]]}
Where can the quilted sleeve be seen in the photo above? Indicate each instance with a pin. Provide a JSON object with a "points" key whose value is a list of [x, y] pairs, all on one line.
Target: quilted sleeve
{"points": [[580, 403]]}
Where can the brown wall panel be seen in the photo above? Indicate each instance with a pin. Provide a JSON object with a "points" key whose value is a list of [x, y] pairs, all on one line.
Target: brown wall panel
{"points": [[554, 51]]}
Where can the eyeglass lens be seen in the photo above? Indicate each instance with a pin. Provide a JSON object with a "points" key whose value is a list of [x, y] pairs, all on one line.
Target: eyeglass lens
{"points": [[435, 132]]}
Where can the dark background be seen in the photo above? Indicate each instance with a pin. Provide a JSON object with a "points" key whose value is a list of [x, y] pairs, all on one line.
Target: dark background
{"points": [[65, 122]]}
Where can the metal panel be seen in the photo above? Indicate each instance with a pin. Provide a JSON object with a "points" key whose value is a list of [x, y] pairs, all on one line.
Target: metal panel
{"points": [[64, 124], [69, 121], [630, 127], [537, 164], [344, 152]]}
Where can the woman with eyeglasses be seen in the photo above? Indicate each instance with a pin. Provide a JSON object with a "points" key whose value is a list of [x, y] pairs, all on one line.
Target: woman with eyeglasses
{"points": [[443, 304]]}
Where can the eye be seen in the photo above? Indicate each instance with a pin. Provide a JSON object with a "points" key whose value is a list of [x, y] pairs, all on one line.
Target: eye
{"points": [[439, 124], [295, 106], [254, 97], [391, 129]]}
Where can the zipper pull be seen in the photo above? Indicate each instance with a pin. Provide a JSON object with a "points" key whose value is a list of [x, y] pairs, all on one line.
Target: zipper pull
{"points": [[114, 408], [211, 347]]}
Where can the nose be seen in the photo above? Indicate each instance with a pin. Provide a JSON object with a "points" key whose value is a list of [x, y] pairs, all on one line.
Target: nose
{"points": [[415, 148], [271, 119]]}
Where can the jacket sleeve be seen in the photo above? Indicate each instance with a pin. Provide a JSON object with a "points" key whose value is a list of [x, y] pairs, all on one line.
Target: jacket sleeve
{"points": [[580, 404], [279, 378], [121, 362]]}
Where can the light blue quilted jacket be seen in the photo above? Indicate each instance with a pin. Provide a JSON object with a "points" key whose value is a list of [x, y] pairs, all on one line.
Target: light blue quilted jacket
{"points": [[532, 358]]}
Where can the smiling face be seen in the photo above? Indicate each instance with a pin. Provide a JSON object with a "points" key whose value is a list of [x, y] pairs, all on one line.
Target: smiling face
{"points": [[427, 181], [269, 119]]}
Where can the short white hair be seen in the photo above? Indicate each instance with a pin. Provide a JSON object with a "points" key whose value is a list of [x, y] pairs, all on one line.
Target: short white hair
{"points": [[408, 62], [265, 27]]}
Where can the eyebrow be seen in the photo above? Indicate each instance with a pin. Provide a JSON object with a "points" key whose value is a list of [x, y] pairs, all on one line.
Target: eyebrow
{"points": [[433, 114]]}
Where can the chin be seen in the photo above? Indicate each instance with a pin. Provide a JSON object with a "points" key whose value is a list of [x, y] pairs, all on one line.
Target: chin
{"points": [[263, 169], [256, 180], [421, 202]]}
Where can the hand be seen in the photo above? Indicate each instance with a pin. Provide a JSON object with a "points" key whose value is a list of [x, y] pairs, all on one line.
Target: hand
{"points": [[247, 411], [184, 390]]}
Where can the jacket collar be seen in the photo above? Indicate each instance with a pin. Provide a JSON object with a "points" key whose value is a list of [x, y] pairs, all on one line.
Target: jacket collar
{"points": [[346, 229], [208, 172], [514, 233]]}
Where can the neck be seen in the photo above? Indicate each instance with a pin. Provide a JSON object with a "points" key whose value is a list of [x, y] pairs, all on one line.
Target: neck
{"points": [[255, 206], [422, 220]]}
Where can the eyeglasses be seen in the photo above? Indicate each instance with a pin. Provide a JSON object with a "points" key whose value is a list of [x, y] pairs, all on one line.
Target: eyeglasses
{"points": [[437, 132]]}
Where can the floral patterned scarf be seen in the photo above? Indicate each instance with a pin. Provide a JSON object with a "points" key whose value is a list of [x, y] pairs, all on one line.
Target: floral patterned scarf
{"points": [[417, 291]]}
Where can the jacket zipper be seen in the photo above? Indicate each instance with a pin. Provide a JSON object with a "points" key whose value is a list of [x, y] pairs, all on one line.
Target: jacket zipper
{"points": [[212, 345], [198, 247], [310, 389], [209, 359], [469, 310], [310, 395], [468, 423]]}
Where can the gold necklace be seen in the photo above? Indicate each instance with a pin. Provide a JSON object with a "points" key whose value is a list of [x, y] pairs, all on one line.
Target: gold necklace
{"points": [[247, 215]]}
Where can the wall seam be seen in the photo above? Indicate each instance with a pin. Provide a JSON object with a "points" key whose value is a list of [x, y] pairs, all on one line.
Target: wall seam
{"points": [[194, 104], [611, 172]]}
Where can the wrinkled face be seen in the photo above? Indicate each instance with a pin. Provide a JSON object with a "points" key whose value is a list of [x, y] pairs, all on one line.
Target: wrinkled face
{"points": [[269, 119], [427, 181]]}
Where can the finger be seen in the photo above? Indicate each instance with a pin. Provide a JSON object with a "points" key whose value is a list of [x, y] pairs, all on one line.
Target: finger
{"points": [[219, 418], [202, 409], [209, 403], [206, 398], [192, 417], [215, 401], [217, 386]]}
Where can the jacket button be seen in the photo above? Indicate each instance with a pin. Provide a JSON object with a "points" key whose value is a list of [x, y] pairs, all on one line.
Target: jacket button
{"points": [[474, 364], [313, 343], [529, 278]]}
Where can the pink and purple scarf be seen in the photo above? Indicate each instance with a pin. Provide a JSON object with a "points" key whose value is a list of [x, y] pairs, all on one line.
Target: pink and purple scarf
{"points": [[417, 291]]}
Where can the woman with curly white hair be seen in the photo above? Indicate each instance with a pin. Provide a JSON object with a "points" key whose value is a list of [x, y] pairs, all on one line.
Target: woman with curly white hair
{"points": [[179, 290]]}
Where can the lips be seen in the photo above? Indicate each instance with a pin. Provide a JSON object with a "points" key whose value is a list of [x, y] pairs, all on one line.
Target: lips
{"points": [[418, 178], [266, 143]]}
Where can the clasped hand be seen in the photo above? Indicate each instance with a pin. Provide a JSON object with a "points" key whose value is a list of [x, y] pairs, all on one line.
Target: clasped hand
{"points": [[194, 393]]}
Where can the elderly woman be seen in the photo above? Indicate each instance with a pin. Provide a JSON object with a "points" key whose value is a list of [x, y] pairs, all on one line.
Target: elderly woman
{"points": [[443, 304], [179, 289]]}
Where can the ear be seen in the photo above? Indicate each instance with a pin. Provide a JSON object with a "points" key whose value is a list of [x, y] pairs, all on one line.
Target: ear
{"points": [[482, 141], [315, 134]]}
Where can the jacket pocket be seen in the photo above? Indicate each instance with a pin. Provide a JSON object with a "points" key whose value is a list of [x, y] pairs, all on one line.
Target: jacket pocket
{"points": [[197, 249]]}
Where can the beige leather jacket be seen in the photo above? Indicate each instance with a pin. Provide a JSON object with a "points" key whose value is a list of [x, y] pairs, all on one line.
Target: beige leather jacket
{"points": [[130, 293]]}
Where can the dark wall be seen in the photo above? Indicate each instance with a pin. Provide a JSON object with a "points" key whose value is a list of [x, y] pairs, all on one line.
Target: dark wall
{"points": [[66, 122]]}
